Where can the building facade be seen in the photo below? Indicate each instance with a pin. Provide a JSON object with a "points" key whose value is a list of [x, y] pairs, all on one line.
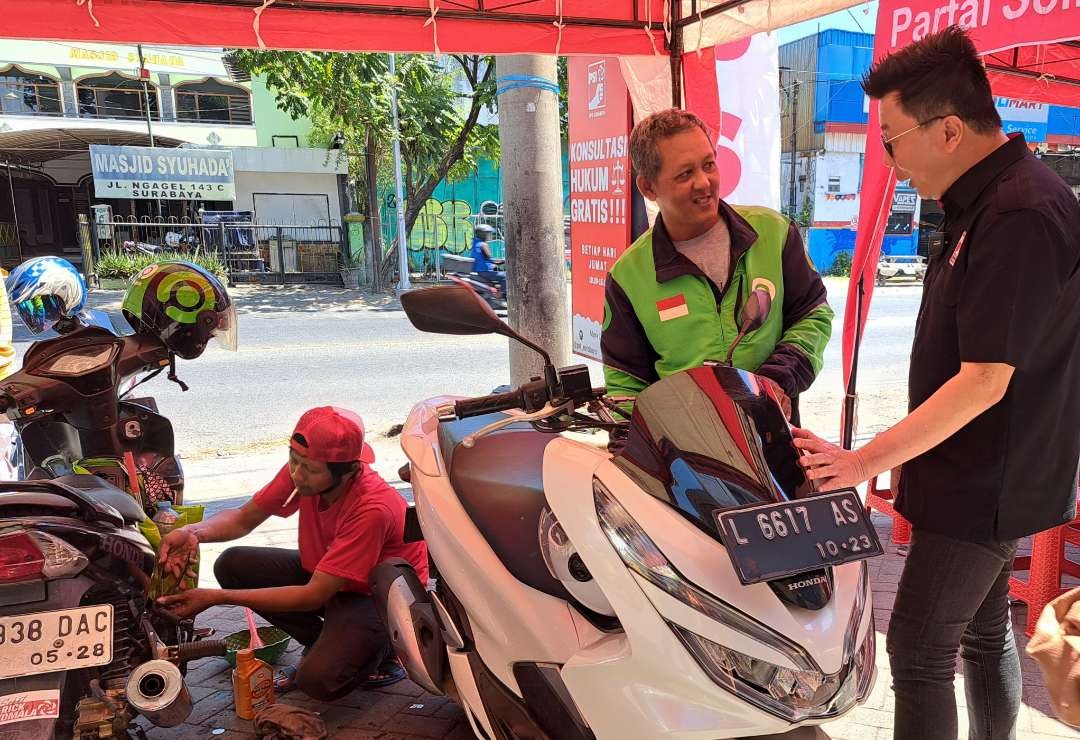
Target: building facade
{"points": [[59, 99], [825, 117]]}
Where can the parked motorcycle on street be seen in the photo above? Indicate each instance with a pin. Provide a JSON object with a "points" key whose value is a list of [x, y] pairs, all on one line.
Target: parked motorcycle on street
{"points": [[692, 585], [83, 648]]}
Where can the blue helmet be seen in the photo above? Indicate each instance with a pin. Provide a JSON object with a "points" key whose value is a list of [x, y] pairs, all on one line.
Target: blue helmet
{"points": [[45, 290]]}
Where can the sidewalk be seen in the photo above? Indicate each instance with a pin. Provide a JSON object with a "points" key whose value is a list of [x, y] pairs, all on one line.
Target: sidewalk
{"points": [[405, 711]]}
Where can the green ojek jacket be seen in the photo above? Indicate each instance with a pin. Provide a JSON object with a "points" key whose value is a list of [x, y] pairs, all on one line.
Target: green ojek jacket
{"points": [[662, 314]]}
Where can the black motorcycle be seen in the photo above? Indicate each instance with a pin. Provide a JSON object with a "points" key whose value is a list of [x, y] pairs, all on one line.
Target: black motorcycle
{"points": [[83, 649]]}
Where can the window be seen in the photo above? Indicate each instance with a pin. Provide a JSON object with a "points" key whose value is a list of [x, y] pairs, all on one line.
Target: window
{"points": [[28, 93], [834, 184], [213, 101], [115, 96]]}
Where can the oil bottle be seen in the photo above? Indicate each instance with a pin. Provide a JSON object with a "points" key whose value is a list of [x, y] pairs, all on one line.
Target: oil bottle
{"points": [[253, 684]]}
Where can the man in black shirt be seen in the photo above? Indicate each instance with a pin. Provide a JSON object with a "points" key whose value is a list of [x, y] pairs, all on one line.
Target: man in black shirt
{"points": [[992, 440]]}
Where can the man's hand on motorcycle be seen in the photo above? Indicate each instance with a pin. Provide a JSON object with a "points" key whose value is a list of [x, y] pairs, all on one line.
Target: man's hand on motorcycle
{"points": [[781, 397], [187, 604], [178, 551], [830, 465]]}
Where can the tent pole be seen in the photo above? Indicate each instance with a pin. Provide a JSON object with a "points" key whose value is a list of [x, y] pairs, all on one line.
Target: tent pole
{"points": [[675, 48], [14, 212], [849, 393]]}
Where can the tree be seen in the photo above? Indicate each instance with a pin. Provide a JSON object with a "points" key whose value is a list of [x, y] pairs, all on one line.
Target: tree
{"points": [[349, 94]]}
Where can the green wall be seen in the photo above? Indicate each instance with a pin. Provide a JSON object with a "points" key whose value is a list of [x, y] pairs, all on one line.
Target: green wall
{"points": [[271, 122]]}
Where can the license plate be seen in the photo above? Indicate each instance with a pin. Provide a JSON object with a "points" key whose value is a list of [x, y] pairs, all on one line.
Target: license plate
{"points": [[774, 541], [63, 640]]}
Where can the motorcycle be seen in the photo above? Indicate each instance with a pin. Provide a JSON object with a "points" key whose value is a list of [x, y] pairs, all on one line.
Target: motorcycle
{"points": [[459, 270], [693, 584], [83, 648], [134, 247], [69, 412]]}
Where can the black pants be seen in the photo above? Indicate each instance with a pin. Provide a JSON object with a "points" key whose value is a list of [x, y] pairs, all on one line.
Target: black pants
{"points": [[954, 597], [345, 640]]}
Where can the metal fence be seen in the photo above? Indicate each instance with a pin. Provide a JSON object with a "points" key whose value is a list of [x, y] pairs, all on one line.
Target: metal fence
{"points": [[269, 253]]}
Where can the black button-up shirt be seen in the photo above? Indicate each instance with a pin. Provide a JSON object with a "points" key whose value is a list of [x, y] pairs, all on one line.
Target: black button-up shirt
{"points": [[1004, 288]]}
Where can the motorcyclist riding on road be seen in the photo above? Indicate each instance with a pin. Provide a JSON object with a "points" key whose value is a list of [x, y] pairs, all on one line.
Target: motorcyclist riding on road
{"points": [[483, 263]]}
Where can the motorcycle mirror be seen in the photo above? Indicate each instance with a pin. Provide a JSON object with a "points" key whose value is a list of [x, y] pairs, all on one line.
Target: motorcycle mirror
{"points": [[457, 309], [757, 307], [755, 310], [451, 309]]}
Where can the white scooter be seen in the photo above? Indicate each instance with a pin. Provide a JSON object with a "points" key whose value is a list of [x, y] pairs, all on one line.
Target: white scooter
{"points": [[693, 585]]}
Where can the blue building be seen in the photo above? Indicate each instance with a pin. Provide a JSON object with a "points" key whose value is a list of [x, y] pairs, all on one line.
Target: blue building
{"points": [[823, 103]]}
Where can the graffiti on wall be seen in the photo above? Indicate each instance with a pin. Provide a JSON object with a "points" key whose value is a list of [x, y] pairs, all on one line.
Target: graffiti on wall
{"points": [[446, 226]]}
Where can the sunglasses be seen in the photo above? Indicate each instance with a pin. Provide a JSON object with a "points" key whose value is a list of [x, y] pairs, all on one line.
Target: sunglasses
{"points": [[887, 143]]}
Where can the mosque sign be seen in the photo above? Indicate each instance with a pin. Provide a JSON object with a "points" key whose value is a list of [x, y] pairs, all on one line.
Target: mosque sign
{"points": [[154, 173]]}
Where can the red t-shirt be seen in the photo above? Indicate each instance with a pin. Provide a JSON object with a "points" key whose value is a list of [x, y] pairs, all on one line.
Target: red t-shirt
{"points": [[354, 534]]}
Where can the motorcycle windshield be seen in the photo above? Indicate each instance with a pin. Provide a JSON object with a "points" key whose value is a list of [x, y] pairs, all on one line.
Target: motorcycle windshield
{"points": [[710, 439]]}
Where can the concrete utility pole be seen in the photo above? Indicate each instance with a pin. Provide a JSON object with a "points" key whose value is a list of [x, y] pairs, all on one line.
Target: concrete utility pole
{"points": [[532, 194]]}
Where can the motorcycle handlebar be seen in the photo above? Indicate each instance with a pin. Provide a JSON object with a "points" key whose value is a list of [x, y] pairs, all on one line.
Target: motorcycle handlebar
{"points": [[489, 404]]}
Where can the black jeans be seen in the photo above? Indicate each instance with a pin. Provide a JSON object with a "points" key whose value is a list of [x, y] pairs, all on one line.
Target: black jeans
{"points": [[954, 597], [345, 640]]}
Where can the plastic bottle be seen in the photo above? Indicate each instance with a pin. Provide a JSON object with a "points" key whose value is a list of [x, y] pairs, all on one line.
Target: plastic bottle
{"points": [[166, 517], [253, 684]]}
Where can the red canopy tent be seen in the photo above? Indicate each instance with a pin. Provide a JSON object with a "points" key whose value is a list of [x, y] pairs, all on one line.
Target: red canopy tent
{"points": [[494, 26], [1031, 54], [567, 27]]}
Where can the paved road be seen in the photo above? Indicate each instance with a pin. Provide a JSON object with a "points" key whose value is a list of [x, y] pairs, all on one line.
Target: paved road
{"points": [[301, 347]]}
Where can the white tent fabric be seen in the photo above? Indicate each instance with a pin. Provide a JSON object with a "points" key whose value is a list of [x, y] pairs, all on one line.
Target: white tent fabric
{"points": [[739, 20]]}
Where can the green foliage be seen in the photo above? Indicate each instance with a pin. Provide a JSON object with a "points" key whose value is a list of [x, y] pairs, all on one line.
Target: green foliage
{"points": [[438, 105], [351, 261], [564, 99], [841, 266], [123, 265]]}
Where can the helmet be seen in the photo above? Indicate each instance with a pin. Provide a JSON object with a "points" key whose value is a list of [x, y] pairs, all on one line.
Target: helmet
{"points": [[183, 305], [483, 231], [45, 290]]}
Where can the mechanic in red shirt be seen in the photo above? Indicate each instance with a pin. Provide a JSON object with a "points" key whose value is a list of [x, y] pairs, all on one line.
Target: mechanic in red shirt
{"points": [[350, 521]]}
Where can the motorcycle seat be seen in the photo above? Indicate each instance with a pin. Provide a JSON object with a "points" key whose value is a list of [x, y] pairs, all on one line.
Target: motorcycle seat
{"points": [[500, 484], [70, 494], [98, 490]]}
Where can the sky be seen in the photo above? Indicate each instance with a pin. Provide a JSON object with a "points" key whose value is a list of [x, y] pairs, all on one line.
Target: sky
{"points": [[859, 18]]}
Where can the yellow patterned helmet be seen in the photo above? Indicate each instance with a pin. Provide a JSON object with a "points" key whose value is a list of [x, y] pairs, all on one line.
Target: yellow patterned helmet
{"points": [[183, 305]]}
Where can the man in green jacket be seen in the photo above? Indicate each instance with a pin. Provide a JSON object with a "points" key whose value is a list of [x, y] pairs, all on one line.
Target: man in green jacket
{"points": [[673, 299]]}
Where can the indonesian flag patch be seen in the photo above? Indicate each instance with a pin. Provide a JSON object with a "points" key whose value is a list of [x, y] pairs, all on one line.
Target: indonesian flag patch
{"points": [[672, 308]]}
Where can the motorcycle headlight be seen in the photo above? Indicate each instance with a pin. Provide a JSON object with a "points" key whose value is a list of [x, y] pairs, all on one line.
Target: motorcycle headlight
{"points": [[793, 694], [642, 556]]}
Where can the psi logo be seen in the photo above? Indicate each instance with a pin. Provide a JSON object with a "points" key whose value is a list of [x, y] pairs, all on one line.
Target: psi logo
{"points": [[597, 88]]}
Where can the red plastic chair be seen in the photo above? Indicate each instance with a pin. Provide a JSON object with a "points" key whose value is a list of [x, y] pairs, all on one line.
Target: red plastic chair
{"points": [[1045, 566], [882, 499]]}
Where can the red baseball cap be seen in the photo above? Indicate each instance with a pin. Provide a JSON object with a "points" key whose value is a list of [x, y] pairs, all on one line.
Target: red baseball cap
{"points": [[331, 434]]}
